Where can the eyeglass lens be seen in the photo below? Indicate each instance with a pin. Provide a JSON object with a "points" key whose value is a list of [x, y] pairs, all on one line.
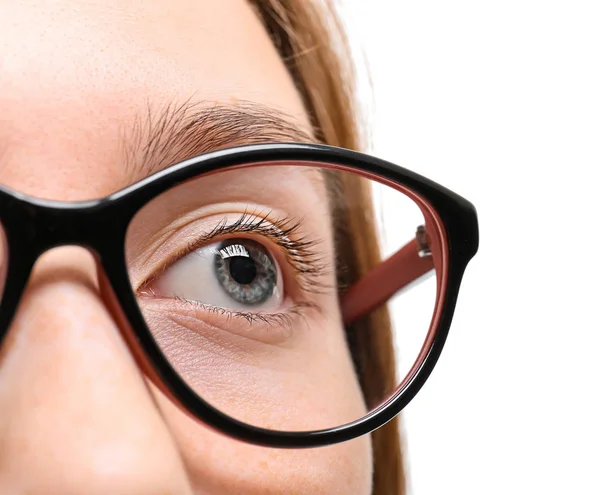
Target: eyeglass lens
{"points": [[268, 286]]}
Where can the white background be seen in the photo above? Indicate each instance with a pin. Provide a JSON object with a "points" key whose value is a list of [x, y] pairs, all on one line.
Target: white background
{"points": [[500, 101]]}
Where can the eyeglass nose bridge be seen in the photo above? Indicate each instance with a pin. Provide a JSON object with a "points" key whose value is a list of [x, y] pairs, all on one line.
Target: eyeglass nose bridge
{"points": [[33, 226], [29, 227]]}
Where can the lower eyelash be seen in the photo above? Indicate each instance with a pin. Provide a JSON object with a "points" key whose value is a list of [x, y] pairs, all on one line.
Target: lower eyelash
{"points": [[287, 319]]}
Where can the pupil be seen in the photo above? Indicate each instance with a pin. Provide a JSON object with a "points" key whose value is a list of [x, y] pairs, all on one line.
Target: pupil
{"points": [[242, 269]]}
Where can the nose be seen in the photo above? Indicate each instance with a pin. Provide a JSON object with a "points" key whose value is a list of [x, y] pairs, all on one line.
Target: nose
{"points": [[76, 415]]}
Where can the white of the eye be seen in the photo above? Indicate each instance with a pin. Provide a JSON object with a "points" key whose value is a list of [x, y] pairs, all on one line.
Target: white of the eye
{"points": [[193, 278]]}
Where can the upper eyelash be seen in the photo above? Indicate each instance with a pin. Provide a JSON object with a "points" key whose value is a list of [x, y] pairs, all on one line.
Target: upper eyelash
{"points": [[301, 252]]}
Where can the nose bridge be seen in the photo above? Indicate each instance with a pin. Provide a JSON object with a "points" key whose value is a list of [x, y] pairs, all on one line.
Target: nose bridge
{"points": [[69, 389], [31, 227], [74, 408]]}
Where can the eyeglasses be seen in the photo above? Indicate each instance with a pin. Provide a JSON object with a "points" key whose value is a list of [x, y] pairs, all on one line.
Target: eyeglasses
{"points": [[263, 288]]}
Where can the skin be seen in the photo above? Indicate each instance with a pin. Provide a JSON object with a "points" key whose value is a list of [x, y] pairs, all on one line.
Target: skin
{"points": [[76, 414]]}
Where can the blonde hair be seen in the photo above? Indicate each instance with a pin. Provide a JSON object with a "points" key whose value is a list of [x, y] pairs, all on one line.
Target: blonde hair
{"points": [[311, 41]]}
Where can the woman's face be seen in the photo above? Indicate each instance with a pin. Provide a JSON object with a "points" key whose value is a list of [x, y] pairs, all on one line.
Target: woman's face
{"points": [[89, 93]]}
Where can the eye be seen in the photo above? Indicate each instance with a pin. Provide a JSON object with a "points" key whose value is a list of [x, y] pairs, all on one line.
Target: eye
{"points": [[236, 273]]}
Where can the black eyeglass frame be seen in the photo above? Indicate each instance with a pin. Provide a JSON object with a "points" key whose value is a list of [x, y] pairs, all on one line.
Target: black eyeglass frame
{"points": [[32, 226]]}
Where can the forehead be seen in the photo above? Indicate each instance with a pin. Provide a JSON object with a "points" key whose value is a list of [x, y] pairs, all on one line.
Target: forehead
{"points": [[74, 74]]}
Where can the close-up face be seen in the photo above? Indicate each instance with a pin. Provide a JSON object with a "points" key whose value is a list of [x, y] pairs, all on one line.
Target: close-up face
{"points": [[82, 87], [205, 287]]}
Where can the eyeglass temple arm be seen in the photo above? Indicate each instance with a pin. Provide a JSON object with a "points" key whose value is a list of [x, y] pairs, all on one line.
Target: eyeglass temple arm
{"points": [[406, 265]]}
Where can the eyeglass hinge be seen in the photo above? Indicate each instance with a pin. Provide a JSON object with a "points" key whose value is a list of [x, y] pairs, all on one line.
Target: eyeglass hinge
{"points": [[422, 242]]}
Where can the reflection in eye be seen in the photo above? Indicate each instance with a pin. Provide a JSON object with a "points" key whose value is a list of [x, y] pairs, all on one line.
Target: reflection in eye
{"points": [[235, 273]]}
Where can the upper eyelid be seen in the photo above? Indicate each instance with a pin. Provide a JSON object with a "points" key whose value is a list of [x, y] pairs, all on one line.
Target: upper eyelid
{"points": [[239, 226], [300, 253]]}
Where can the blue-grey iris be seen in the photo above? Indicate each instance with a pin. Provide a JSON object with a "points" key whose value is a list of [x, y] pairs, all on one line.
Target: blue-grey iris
{"points": [[245, 270]]}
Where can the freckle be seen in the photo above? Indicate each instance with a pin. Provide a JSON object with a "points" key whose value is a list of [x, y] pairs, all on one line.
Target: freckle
{"points": [[264, 465]]}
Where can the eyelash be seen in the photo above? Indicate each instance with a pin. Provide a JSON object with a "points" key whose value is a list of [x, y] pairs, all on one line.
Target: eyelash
{"points": [[285, 319], [301, 252]]}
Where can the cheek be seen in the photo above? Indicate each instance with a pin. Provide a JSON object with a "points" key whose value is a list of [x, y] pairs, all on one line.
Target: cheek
{"points": [[298, 379], [218, 464], [305, 383]]}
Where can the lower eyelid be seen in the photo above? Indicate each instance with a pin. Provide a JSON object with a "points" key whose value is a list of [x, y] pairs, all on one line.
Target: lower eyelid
{"points": [[268, 328]]}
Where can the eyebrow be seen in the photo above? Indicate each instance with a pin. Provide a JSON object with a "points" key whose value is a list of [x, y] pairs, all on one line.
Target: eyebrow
{"points": [[162, 137]]}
